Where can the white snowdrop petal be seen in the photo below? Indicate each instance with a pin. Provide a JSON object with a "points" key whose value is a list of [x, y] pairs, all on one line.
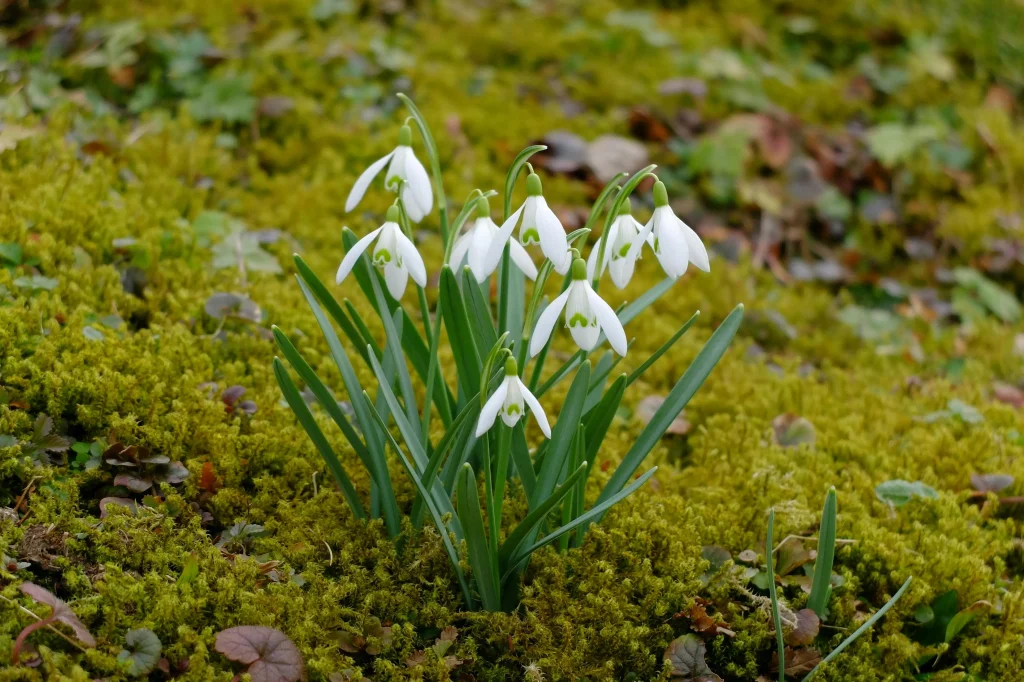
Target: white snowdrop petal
{"points": [[538, 411], [364, 180], [552, 235], [459, 250], [546, 323], [396, 277], [349, 261], [608, 321], [671, 250], [497, 246], [580, 317], [419, 183], [512, 408], [522, 259], [480, 242], [490, 409], [698, 254], [411, 259]]}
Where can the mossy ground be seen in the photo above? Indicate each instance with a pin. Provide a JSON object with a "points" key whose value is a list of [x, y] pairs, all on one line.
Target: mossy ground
{"points": [[94, 167]]}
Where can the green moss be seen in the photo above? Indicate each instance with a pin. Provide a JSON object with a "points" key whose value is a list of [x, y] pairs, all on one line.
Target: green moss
{"points": [[608, 609]]}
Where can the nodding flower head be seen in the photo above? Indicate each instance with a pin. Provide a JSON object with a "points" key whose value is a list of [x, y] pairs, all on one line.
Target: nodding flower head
{"points": [[405, 175], [484, 243], [675, 244], [619, 258], [586, 316], [394, 254], [508, 402]]}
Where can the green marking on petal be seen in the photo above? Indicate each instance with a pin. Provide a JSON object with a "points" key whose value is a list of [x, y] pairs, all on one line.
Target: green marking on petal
{"points": [[623, 251], [513, 409], [579, 320], [381, 257], [531, 236]]}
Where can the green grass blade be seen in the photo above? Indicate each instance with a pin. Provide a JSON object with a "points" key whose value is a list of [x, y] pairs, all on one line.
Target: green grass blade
{"points": [[478, 310], [453, 309], [561, 437], [435, 513], [364, 334], [395, 328], [561, 372], [569, 504], [521, 458], [305, 417], [680, 394], [480, 558], [465, 420], [596, 511], [639, 371], [773, 594], [861, 630], [330, 304], [600, 418], [821, 584], [527, 527], [629, 312], [374, 463]]}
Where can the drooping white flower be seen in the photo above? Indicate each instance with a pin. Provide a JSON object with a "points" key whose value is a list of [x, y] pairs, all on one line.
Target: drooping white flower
{"points": [[586, 316], [542, 227], [675, 244], [508, 401], [402, 165], [394, 254], [483, 245], [617, 251]]}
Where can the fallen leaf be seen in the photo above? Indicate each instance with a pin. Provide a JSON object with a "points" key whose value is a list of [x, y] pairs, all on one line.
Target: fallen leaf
{"points": [[991, 483], [610, 155], [798, 661], [807, 626], [268, 653], [679, 86], [61, 611], [686, 656], [792, 430], [646, 408], [790, 555], [1008, 393]]}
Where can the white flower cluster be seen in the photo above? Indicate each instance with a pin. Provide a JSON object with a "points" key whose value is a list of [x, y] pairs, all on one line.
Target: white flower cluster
{"points": [[480, 247]]}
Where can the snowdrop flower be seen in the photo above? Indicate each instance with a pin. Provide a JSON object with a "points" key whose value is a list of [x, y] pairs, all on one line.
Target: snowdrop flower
{"points": [[483, 245], [675, 244], [586, 316], [394, 253], [623, 231], [542, 227], [508, 401], [403, 169]]}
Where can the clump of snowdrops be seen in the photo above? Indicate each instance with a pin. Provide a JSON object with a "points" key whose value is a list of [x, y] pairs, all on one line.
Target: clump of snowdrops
{"points": [[500, 347]]}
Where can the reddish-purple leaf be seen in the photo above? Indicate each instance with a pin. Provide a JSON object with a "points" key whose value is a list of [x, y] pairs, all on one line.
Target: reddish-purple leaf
{"points": [[268, 653], [991, 483], [807, 626], [686, 656], [61, 611]]}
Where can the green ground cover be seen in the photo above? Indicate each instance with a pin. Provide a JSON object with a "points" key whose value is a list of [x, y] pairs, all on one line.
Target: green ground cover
{"points": [[854, 167]]}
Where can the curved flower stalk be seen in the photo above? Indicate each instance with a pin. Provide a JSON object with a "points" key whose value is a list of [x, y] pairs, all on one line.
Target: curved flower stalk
{"points": [[618, 257], [586, 316], [540, 226], [405, 175], [507, 402], [675, 243], [483, 245], [394, 254]]}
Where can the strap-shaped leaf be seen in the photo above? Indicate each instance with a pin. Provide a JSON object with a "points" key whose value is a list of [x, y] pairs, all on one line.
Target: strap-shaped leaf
{"points": [[305, 417], [639, 371], [374, 462], [773, 595], [410, 435], [526, 528], [513, 174], [453, 310], [479, 311], [521, 458], [569, 511], [595, 512], [680, 394], [561, 437], [364, 331], [821, 584], [436, 514], [313, 283], [480, 558], [600, 418]]}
